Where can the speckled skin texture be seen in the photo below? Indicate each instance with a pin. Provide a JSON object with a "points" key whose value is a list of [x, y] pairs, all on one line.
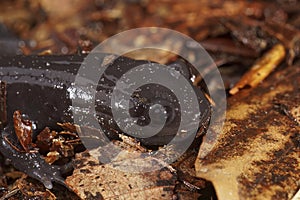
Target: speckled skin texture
{"points": [[31, 164]]}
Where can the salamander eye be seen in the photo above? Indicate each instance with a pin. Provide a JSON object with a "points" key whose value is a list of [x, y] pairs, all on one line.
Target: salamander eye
{"points": [[172, 109], [157, 100]]}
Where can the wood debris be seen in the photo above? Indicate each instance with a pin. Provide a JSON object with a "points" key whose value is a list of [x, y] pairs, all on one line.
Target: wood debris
{"points": [[261, 69]]}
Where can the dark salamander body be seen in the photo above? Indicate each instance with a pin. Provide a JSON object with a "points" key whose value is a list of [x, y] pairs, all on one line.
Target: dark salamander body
{"points": [[42, 86]]}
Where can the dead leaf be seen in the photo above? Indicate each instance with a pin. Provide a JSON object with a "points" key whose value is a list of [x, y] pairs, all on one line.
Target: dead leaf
{"points": [[92, 180], [32, 190], [257, 154], [23, 130]]}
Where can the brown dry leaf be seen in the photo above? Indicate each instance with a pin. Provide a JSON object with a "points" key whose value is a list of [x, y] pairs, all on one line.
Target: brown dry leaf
{"points": [[51, 157], [189, 186], [295, 112], [92, 180], [261, 69], [23, 130], [257, 154], [32, 190], [67, 8]]}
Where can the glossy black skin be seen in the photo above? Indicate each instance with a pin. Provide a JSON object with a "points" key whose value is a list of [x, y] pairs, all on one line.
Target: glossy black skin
{"points": [[42, 104], [31, 163], [38, 86]]}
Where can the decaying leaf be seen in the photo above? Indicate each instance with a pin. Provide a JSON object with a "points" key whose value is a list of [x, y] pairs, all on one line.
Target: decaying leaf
{"points": [[261, 69], [189, 186], [51, 157], [257, 154], [23, 130], [295, 112], [32, 190], [92, 180], [57, 145], [44, 139]]}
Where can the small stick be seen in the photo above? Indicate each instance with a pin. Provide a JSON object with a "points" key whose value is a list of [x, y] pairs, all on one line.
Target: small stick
{"points": [[261, 69], [10, 194], [13, 146]]}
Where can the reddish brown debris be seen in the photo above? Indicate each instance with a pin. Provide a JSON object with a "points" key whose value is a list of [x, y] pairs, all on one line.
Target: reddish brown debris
{"points": [[58, 145], [23, 130], [44, 140]]}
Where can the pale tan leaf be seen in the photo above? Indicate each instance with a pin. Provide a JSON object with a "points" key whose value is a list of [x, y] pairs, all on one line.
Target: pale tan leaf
{"points": [[257, 154], [92, 180]]}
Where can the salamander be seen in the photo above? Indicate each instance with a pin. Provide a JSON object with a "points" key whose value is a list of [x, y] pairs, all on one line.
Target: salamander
{"points": [[42, 88], [31, 163]]}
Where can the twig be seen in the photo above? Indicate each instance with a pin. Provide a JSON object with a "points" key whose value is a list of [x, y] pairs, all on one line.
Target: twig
{"points": [[261, 69], [10, 194]]}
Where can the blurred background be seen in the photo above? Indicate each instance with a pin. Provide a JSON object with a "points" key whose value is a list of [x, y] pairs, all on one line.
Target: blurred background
{"points": [[234, 32], [62, 27]]}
